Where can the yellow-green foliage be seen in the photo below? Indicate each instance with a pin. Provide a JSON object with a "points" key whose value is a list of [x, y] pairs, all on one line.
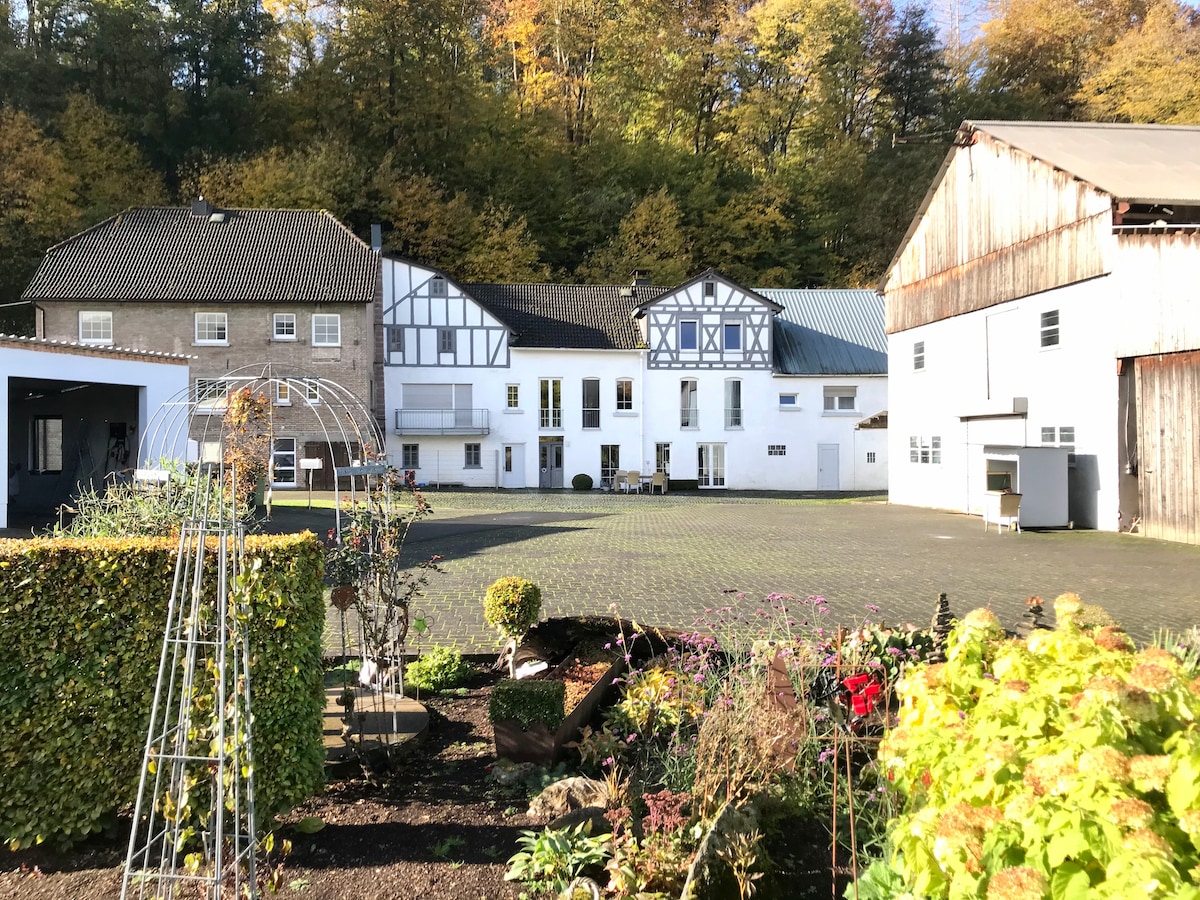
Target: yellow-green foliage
{"points": [[81, 626], [1065, 765], [512, 605]]}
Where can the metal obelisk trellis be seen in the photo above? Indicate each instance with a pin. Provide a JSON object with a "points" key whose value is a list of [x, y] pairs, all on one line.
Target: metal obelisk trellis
{"points": [[193, 832], [193, 828]]}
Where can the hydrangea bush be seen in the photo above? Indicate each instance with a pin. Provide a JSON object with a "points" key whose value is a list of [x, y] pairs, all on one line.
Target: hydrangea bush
{"points": [[1065, 765]]}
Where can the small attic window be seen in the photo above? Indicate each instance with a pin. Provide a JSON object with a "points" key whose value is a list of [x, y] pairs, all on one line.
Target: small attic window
{"points": [[217, 217], [710, 289]]}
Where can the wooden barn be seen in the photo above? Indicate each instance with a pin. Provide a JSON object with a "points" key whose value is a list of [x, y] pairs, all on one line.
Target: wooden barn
{"points": [[1047, 295]]}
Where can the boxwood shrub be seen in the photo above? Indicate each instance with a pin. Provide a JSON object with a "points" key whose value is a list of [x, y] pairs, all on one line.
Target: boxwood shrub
{"points": [[81, 626], [528, 701]]}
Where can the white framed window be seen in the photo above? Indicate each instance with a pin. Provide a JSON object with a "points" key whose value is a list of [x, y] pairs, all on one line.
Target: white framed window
{"points": [[47, 444], [689, 413], [870, 456], [689, 334], [1049, 328], [841, 399], [95, 328], [472, 456], [212, 328], [437, 286], [283, 463], [610, 462], [925, 450], [1062, 436], [410, 456], [212, 395], [283, 393], [918, 356], [776, 449], [283, 326], [445, 339], [513, 396], [591, 403], [733, 403], [550, 406], [624, 395], [732, 335], [789, 401], [662, 458], [710, 465], [327, 330], [312, 390], [395, 341]]}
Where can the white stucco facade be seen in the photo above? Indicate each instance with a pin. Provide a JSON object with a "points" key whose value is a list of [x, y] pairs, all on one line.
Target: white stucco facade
{"points": [[987, 380]]}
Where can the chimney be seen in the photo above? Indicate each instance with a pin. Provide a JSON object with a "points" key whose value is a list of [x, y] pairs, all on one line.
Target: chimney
{"points": [[640, 277], [377, 238], [201, 208]]}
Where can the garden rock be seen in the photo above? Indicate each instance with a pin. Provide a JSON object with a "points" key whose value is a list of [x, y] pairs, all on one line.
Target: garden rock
{"points": [[568, 794], [506, 772]]}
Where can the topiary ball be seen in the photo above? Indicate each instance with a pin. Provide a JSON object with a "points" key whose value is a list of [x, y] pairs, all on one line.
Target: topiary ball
{"points": [[512, 606], [582, 482]]}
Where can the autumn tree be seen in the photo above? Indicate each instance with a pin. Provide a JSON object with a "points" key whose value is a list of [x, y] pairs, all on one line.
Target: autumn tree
{"points": [[651, 238]]}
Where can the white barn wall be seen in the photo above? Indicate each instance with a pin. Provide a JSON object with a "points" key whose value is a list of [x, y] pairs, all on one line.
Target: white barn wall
{"points": [[975, 365]]}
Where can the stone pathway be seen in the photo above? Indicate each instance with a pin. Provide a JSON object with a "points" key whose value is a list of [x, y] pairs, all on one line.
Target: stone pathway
{"points": [[668, 560]]}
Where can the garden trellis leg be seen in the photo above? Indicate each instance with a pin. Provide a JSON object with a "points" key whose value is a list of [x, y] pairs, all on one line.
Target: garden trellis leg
{"points": [[193, 831]]}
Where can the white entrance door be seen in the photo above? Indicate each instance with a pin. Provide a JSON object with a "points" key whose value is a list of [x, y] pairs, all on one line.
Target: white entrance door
{"points": [[710, 465], [512, 466], [827, 467], [283, 463]]}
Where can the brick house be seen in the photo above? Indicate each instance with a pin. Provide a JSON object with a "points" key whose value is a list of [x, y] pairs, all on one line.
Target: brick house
{"points": [[238, 290]]}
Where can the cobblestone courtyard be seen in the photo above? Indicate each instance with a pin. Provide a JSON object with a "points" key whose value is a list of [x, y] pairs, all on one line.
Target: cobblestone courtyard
{"points": [[665, 560]]}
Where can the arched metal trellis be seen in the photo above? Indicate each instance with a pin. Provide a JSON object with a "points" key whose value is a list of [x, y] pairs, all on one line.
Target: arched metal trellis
{"points": [[194, 821]]}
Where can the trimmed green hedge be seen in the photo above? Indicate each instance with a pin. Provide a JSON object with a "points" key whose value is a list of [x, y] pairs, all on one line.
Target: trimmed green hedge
{"points": [[81, 624]]}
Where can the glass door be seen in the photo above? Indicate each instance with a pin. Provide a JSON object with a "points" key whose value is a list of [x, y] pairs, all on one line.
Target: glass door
{"points": [[710, 465]]}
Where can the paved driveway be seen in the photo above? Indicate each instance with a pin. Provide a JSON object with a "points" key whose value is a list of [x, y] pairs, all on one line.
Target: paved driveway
{"points": [[664, 561]]}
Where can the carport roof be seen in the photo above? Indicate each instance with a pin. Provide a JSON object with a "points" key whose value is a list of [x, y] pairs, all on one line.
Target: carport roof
{"points": [[34, 343]]}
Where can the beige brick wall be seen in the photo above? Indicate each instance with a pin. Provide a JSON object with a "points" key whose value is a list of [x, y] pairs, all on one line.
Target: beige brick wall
{"points": [[171, 328]]}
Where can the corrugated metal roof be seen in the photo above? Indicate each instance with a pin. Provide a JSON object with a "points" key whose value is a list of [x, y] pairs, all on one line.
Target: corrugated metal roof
{"points": [[829, 332], [169, 254], [22, 342], [1140, 163], [573, 316]]}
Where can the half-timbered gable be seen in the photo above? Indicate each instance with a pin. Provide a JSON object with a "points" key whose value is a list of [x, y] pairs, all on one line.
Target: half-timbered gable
{"points": [[428, 320], [708, 323]]}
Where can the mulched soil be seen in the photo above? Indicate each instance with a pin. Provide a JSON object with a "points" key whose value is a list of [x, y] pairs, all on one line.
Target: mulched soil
{"points": [[440, 828]]}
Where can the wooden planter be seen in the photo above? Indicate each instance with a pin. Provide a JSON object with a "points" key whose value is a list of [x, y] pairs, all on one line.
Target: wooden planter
{"points": [[539, 744]]}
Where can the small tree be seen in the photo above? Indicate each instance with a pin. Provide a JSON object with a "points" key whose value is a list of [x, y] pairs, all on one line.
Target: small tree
{"points": [[512, 606]]}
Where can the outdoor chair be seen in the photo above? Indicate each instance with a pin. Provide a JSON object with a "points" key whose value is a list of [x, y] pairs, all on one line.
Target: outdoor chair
{"points": [[618, 480], [658, 480], [633, 481], [1008, 513]]}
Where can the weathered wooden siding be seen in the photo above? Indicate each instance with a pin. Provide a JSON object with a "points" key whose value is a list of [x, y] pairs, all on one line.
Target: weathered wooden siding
{"points": [[1168, 390], [1159, 287], [998, 226]]}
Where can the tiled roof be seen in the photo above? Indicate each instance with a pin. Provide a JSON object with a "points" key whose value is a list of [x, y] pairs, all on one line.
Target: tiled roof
{"points": [[169, 254], [825, 332], [574, 316]]}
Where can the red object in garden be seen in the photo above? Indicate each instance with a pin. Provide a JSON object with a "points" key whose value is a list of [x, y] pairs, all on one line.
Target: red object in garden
{"points": [[864, 693]]}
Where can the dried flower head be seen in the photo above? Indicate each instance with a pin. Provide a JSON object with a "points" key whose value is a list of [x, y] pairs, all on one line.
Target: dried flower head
{"points": [[1067, 605], [1137, 704], [1151, 677], [1150, 773], [1145, 842], [1189, 822], [1018, 883], [1108, 763], [1111, 637], [1131, 812]]}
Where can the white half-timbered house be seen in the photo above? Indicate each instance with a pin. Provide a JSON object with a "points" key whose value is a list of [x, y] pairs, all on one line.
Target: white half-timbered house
{"points": [[528, 385], [1045, 298]]}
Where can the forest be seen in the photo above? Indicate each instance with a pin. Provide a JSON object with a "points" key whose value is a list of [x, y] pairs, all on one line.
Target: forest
{"points": [[783, 142]]}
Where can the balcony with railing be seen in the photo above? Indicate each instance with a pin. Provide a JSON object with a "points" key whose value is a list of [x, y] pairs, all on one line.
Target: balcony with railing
{"points": [[442, 421]]}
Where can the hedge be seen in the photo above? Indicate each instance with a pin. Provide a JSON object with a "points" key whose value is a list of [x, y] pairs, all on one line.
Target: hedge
{"points": [[81, 624]]}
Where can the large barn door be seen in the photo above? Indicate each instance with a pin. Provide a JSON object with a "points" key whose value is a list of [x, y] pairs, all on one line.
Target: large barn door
{"points": [[1168, 392]]}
